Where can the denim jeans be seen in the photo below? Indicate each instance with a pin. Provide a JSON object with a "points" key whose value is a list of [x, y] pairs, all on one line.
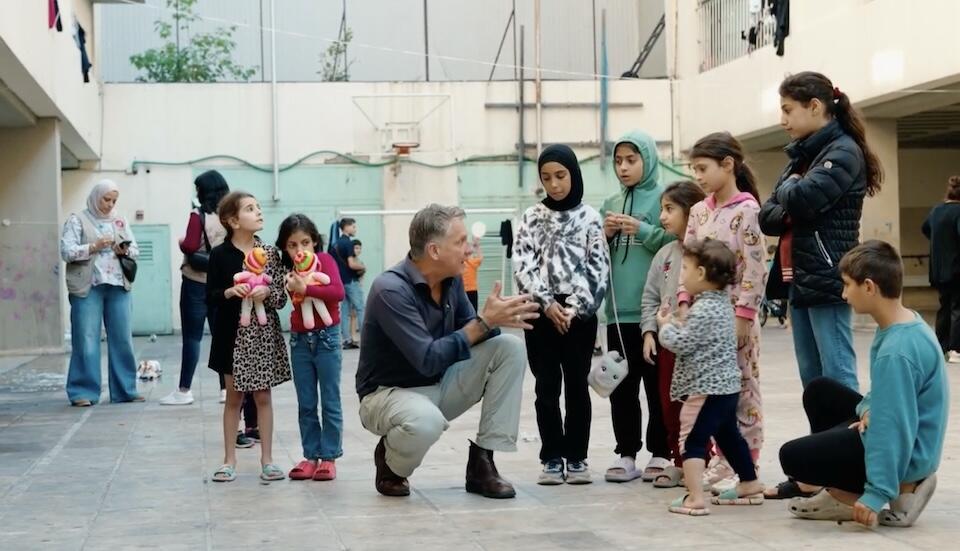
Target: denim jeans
{"points": [[193, 312], [823, 342], [353, 300], [316, 364], [111, 306]]}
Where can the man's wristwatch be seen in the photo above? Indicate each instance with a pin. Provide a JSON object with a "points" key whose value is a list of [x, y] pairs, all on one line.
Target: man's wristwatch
{"points": [[486, 328]]}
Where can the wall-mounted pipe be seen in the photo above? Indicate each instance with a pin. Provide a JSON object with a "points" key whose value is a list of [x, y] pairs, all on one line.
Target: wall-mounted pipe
{"points": [[274, 101]]}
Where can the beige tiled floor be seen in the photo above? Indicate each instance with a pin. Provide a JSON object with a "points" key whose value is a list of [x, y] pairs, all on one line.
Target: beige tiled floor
{"points": [[137, 476]]}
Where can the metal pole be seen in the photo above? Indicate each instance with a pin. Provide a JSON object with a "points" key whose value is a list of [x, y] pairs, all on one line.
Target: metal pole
{"points": [[426, 41], [263, 75], [521, 146], [275, 101], [536, 26], [516, 70], [594, 14]]}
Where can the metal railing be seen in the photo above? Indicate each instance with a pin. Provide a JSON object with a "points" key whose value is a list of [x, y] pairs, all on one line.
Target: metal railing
{"points": [[730, 29]]}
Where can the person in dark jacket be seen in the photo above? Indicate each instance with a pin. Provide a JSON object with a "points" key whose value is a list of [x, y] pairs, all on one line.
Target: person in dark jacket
{"points": [[815, 211], [942, 228]]}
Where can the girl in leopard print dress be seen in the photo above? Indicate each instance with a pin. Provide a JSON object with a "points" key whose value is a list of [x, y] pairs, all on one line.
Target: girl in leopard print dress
{"points": [[252, 358], [560, 259]]}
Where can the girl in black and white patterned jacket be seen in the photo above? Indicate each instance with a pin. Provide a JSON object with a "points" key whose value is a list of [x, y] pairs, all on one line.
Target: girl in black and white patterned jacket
{"points": [[706, 377], [560, 259]]}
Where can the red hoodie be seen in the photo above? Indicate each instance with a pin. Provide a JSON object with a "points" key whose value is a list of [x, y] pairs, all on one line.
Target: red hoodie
{"points": [[331, 295]]}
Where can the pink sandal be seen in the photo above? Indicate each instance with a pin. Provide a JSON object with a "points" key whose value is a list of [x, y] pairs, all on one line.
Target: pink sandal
{"points": [[326, 470], [305, 470]]}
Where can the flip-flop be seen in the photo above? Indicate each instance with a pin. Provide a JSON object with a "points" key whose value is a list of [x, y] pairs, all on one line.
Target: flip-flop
{"points": [[226, 473], [905, 509], [326, 470], [677, 506], [303, 471], [787, 489], [81, 403], [730, 497], [821, 506], [271, 472], [669, 478]]}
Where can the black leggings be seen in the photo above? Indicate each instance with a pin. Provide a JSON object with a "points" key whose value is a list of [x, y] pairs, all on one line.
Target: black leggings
{"points": [[556, 359], [717, 418], [625, 411], [832, 455]]}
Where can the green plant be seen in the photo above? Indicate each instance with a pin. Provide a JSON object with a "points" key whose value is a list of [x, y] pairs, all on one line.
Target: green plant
{"points": [[206, 57], [334, 64]]}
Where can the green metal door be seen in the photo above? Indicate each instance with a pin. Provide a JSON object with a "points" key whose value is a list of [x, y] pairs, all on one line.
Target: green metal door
{"points": [[318, 192], [151, 294]]}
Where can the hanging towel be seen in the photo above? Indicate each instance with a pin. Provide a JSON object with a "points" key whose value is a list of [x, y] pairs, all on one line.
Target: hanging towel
{"points": [[53, 15]]}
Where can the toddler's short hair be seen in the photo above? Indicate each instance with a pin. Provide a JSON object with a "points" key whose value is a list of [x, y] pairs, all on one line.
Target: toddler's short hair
{"points": [[717, 260]]}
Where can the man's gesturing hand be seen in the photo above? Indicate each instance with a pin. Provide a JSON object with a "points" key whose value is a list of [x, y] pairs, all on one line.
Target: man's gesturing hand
{"points": [[515, 311]]}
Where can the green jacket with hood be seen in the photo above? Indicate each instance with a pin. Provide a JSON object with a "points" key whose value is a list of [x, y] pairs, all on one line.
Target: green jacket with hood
{"points": [[631, 255]]}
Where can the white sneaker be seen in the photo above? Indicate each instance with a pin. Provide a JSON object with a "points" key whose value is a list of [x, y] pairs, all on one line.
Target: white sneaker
{"points": [[177, 398], [953, 357], [223, 396]]}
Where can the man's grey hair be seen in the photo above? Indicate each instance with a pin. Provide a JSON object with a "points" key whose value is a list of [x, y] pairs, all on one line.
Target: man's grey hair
{"points": [[429, 224]]}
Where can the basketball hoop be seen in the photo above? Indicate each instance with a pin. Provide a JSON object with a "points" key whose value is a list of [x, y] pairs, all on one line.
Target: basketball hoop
{"points": [[402, 149]]}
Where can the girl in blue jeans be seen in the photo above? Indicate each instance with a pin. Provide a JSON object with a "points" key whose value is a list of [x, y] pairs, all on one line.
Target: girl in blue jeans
{"points": [[315, 353]]}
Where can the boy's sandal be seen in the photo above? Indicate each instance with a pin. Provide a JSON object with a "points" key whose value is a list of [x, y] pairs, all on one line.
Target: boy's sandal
{"points": [[226, 473], [326, 470], [669, 478], [654, 468], [271, 472], [788, 489], [905, 509], [677, 506], [821, 506], [303, 471], [730, 497]]}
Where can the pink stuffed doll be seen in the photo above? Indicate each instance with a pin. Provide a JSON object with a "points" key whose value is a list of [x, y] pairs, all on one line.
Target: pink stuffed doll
{"points": [[255, 276], [307, 266]]}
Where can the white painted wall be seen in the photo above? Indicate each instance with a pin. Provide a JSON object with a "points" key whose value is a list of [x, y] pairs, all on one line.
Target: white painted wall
{"points": [[174, 123], [875, 50], [42, 68], [31, 299]]}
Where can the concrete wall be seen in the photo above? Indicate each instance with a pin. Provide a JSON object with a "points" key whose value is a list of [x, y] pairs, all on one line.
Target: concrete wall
{"points": [[31, 300], [42, 68], [178, 123], [871, 67]]}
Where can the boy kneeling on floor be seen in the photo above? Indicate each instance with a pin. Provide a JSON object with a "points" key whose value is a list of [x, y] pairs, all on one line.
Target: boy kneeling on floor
{"points": [[885, 447]]}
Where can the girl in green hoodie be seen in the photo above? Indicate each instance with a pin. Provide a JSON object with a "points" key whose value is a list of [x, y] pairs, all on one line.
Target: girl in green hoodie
{"points": [[632, 228]]}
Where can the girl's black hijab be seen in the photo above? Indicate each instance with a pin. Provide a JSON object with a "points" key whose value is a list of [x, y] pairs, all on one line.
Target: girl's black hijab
{"points": [[562, 154]]}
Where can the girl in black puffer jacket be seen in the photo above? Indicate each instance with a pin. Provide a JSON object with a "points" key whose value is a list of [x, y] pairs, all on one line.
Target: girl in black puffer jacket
{"points": [[815, 210]]}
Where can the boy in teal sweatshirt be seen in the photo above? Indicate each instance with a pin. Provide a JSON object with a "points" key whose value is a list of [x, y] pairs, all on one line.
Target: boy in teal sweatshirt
{"points": [[631, 223], [889, 447]]}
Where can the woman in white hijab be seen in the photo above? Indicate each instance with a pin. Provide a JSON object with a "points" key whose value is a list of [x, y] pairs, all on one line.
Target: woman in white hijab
{"points": [[92, 243]]}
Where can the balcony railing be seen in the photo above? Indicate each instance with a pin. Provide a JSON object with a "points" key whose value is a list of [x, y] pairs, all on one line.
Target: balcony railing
{"points": [[730, 29]]}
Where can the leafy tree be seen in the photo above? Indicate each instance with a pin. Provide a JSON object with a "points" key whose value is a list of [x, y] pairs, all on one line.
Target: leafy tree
{"points": [[334, 64], [206, 57]]}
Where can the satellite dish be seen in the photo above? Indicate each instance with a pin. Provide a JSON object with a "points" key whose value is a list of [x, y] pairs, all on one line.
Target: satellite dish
{"points": [[478, 229]]}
